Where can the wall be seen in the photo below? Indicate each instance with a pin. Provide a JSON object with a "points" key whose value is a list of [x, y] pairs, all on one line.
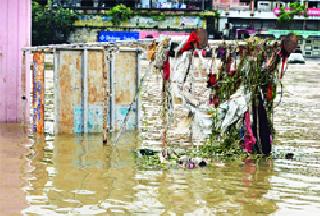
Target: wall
{"points": [[86, 35], [224, 4], [173, 22], [15, 26], [72, 89]]}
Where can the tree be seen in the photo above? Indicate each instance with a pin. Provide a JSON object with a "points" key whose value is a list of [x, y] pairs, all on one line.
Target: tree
{"points": [[120, 13], [295, 9], [51, 26]]}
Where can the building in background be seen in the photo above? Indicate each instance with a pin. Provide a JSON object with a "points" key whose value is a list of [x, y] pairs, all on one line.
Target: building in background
{"points": [[152, 18], [135, 4], [243, 18], [235, 19]]}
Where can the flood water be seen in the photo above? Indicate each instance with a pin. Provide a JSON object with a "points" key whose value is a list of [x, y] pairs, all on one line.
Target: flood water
{"points": [[81, 176]]}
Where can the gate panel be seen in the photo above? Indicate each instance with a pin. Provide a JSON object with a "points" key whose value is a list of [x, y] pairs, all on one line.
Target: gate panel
{"points": [[125, 73], [69, 101]]}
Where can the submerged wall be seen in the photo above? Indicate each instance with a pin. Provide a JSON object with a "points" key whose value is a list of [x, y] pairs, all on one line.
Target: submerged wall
{"points": [[15, 26], [82, 88]]}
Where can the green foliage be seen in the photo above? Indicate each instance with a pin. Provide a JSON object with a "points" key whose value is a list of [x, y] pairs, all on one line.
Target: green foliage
{"points": [[217, 14], [208, 13], [150, 162], [160, 17], [51, 26], [295, 9], [120, 13]]}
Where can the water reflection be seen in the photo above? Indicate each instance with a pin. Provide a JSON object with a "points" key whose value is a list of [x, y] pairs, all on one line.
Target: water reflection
{"points": [[80, 175]]}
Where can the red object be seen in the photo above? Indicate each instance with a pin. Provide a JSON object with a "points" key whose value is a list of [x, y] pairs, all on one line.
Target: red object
{"points": [[231, 72], [284, 56], [284, 59], [166, 69], [204, 53], [214, 100], [212, 80], [193, 41], [228, 67], [249, 139], [269, 92]]}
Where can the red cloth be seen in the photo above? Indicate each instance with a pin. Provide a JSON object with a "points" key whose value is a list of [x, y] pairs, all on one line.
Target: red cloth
{"points": [[193, 39], [212, 80], [284, 55], [269, 92], [166, 69], [283, 62], [249, 139], [214, 100]]}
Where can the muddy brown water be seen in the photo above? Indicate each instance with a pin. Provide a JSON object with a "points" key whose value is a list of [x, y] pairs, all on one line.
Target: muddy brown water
{"points": [[80, 176]]}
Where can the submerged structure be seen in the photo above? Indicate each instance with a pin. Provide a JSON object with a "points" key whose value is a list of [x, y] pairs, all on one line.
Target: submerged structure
{"points": [[218, 99]]}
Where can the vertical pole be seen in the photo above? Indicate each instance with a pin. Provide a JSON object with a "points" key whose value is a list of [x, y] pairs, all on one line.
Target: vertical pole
{"points": [[251, 8], [34, 126], [110, 90], [113, 92], [44, 92], [23, 88], [105, 94], [85, 89], [56, 86], [137, 89], [41, 93], [164, 117]]}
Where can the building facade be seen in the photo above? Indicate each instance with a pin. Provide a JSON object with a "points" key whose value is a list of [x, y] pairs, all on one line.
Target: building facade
{"points": [[231, 19], [136, 4], [242, 18], [151, 18]]}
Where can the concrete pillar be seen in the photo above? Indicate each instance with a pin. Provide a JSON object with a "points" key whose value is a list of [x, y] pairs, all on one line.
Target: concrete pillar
{"points": [[15, 30]]}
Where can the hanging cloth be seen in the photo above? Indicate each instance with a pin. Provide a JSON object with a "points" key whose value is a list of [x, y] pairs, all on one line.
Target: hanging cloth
{"points": [[231, 71], [192, 42], [151, 51], [166, 68], [269, 94], [249, 139], [265, 136]]}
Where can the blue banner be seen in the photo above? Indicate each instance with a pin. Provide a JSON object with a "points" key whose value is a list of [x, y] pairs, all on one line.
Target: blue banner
{"points": [[113, 36]]}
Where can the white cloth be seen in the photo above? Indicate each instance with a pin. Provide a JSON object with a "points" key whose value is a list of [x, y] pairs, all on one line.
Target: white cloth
{"points": [[181, 67], [235, 108]]}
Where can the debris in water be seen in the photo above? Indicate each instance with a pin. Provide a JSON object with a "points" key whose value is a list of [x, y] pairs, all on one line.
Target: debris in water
{"points": [[146, 152], [202, 164], [289, 156], [191, 165]]}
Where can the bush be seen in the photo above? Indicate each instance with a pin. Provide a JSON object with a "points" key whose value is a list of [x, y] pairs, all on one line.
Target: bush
{"points": [[51, 26]]}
